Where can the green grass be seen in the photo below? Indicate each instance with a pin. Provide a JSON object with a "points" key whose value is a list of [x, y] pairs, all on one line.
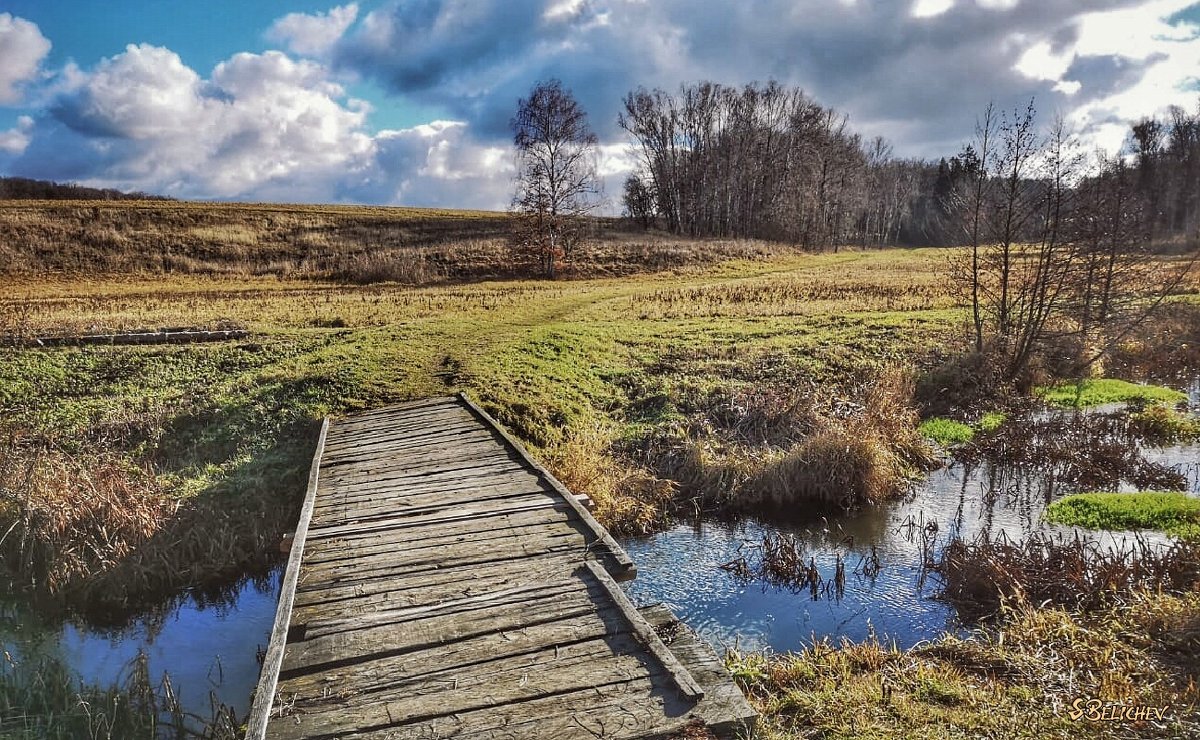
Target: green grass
{"points": [[992, 420], [947, 432], [1172, 512], [1089, 393]]}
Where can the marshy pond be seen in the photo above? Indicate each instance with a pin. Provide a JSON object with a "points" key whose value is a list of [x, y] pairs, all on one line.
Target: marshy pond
{"points": [[210, 647], [691, 567]]}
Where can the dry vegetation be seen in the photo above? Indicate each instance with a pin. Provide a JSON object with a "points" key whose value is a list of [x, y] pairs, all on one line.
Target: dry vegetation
{"points": [[346, 244], [1019, 679]]}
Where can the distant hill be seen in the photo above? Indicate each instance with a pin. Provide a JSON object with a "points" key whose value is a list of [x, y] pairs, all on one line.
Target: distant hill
{"points": [[22, 188]]}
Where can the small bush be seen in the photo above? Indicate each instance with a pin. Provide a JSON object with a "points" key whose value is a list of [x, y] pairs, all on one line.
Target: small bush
{"points": [[992, 420], [1161, 425], [961, 384]]}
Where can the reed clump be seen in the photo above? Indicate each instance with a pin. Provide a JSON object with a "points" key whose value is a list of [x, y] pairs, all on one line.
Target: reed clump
{"points": [[784, 451], [43, 700], [68, 516], [627, 499], [1079, 572]]}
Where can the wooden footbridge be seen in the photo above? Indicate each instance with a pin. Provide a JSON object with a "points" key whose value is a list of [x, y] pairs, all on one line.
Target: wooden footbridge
{"points": [[442, 584]]}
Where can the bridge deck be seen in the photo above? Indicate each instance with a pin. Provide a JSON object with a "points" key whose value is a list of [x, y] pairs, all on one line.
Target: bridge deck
{"points": [[442, 584]]}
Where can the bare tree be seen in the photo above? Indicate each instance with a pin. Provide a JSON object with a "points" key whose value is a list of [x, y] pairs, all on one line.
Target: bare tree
{"points": [[639, 199], [557, 184]]}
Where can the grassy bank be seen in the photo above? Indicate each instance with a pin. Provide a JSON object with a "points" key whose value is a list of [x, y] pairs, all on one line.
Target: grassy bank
{"points": [[1022, 678], [1101, 391]]}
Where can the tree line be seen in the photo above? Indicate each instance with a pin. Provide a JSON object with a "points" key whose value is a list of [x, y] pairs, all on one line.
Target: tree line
{"points": [[21, 188], [1058, 268], [768, 161]]}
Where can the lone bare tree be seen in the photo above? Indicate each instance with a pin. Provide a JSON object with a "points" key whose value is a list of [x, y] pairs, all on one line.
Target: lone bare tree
{"points": [[557, 182]]}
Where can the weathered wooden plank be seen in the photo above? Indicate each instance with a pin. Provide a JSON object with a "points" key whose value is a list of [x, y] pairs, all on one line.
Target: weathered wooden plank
{"points": [[420, 631], [408, 500], [400, 520], [264, 693], [457, 472], [429, 503], [378, 674], [628, 709], [437, 456], [450, 480], [479, 527], [385, 564], [450, 546], [403, 408], [524, 593], [429, 416], [407, 439], [430, 587], [399, 488], [542, 674], [444, 465]]}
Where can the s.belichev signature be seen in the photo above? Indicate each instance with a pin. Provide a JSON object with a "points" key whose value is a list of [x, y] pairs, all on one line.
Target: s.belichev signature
{"points": [[1095, 710]]}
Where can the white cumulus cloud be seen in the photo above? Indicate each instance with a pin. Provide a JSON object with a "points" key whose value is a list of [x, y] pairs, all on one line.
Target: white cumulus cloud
{"points": [[313, 35], [14, 140], [22, 49]]}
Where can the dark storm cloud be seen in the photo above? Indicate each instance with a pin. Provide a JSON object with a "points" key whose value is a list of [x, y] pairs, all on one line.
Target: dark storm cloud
{"points": [[1104, 75], [921, 81]]}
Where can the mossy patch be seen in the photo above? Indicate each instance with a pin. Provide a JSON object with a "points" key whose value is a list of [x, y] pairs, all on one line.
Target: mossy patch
{"points": [[947, 432], [1101, 391], [1172, 512]]}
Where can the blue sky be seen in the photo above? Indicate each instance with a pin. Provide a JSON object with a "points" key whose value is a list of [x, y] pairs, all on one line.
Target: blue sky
{"points": [[407, 101]]}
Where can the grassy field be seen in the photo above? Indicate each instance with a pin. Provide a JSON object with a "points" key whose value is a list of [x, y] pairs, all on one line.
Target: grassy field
{"points": [[347, 244], [664, 376]]}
